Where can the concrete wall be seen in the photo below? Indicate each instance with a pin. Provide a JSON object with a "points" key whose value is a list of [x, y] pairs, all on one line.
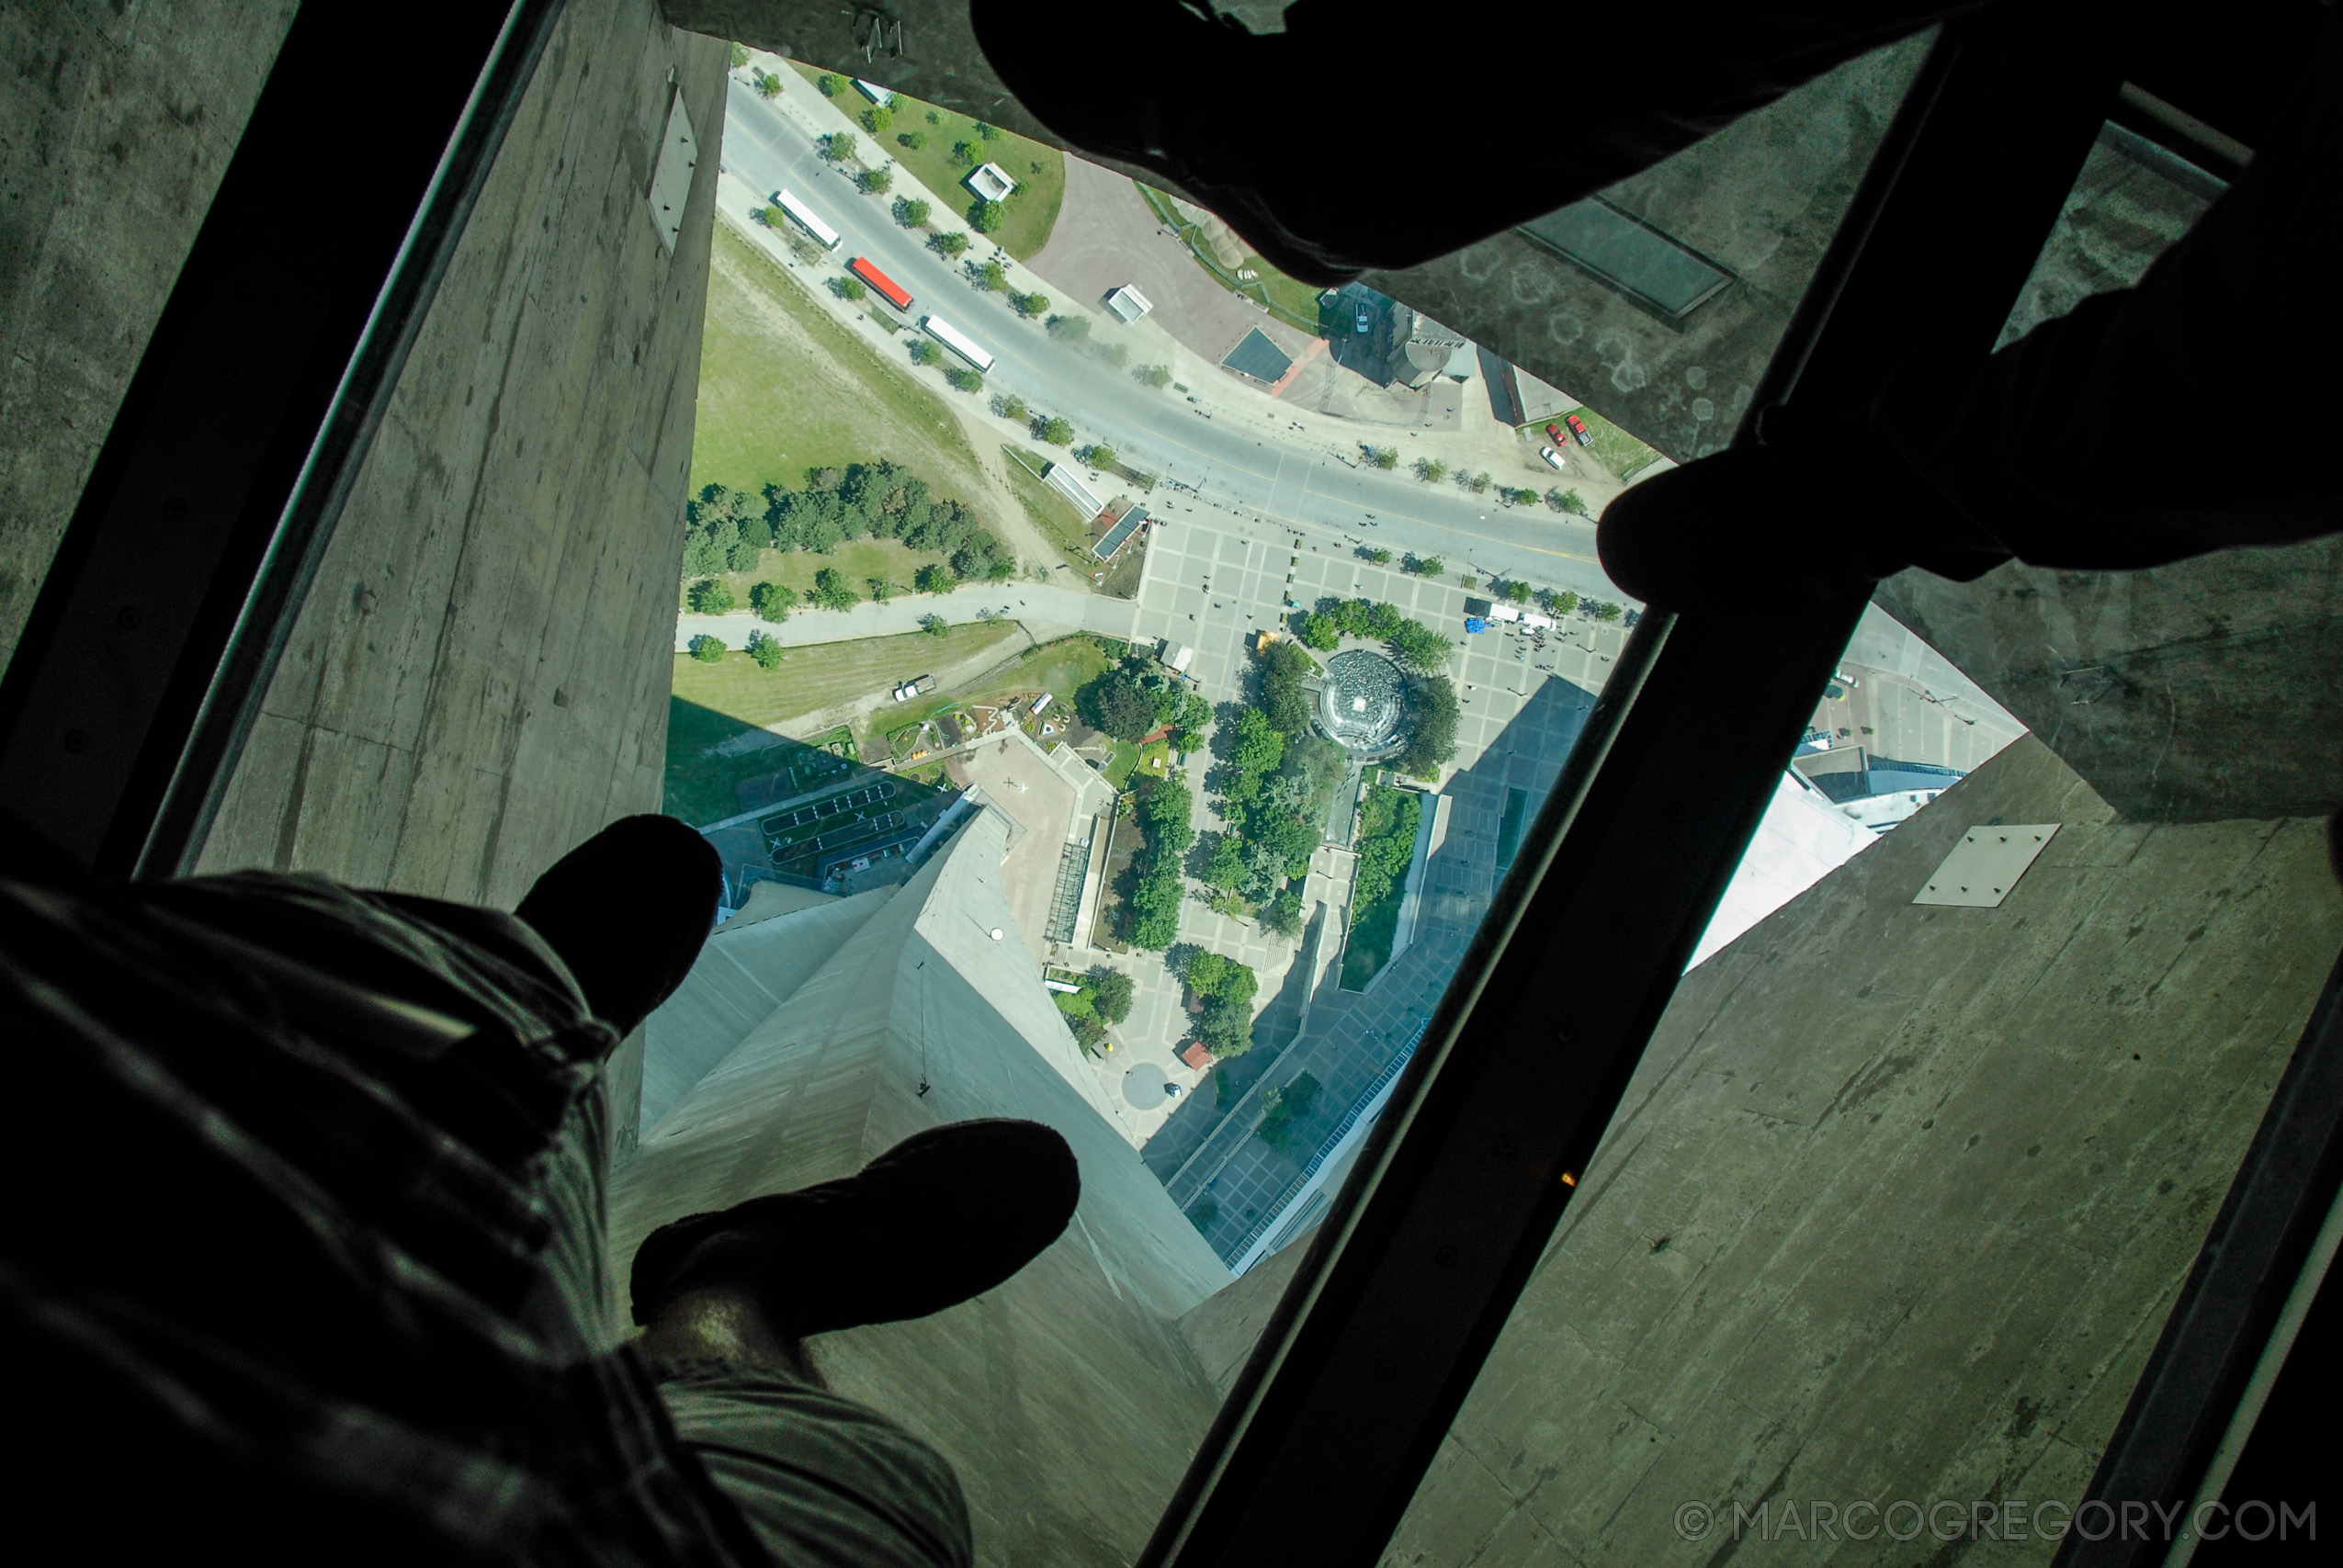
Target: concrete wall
{"points": [[1900, 1197], [1066, 1399], [480, 677], [115, 123], [2201, 691]]}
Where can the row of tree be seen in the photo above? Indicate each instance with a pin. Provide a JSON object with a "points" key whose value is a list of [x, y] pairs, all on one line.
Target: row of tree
{"points": [[1416, 646], [1387, 842], [727, 528], [1164, 811]]}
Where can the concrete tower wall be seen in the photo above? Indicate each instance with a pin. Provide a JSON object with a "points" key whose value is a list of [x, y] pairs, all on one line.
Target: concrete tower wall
{"points": [[480, 677], [115, 124], [1067, 1400], [1900, 1197]]}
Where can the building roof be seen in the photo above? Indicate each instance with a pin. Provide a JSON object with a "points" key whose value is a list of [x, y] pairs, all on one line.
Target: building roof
{"points": [[1128, 303], [1258, 356], [991, 182]]}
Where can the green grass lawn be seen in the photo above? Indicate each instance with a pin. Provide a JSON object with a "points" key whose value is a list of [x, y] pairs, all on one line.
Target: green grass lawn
{"points": [[813, 678], [1613, 448], [1067, 531], [1294, 303], [1041, 170], [1058, 666], [784, 387]]}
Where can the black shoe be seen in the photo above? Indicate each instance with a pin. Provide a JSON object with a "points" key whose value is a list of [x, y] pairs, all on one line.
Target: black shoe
{"points": [[944, 1216], [628, 910], [1814, 512], [1188, 135]]}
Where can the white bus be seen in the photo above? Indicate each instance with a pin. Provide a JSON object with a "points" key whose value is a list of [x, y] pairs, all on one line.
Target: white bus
{"points": [[794, 205], [956, 341]]}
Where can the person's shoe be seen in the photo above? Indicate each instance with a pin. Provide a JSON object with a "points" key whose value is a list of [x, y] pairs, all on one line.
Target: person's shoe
{"points": [[944, 1216], [1812, 513], [1182, 130], [628, 910]]}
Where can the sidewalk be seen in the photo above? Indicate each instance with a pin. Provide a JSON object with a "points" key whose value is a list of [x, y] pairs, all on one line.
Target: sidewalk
{"points": [[1046, 610]]}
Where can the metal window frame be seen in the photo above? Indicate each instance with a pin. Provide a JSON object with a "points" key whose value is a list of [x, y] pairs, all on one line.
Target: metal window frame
{"points": [[125, 708], [1318, 1451], [210, 503]]}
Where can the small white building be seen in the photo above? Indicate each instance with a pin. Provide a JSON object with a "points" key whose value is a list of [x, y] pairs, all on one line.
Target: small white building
{"points": [[874, 93], [1176, 656], [1128, 303], [991, 182]]}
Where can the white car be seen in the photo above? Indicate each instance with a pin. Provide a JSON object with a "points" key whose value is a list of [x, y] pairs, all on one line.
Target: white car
{"points": [[1553, 458]]}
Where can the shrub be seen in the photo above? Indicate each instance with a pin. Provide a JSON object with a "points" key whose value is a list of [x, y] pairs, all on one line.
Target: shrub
{"points": [[740, 55], [849, 288], [967, 154], [963, 379], [1477, 483], [768, 86], [1156, 376], [1007, 405], [914, 139], [707, 649], [877, 118], [935, 578], [925, 351], [1432, 470], [710, 597], [765, 651], [770, 600], [932, 624], [989, 132]]}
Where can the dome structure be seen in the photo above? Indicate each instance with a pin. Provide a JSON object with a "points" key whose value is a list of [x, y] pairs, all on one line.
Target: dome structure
{"points": [[1361, 702]]}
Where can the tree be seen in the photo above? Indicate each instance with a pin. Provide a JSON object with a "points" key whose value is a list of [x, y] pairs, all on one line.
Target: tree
{"points": [[1321, 633], [876, 182], [1383, 457], [1223, 867], [1424, 566], [911, 211], [1029, 305], [1284, 701], [740, 55], [832, 591], [1431, 726], [989, 132], [1477, 483], [1068, 329], [914, 139], [1098, 455], [1281, 915], [849, 288], [1284, 1106], [986, 217], [1007, 405], [1432, 470], [993, 278], [1055, 430], [1518, 593], [1568, 500], [768, 86], [1156, 376], [951, 244], [880, 590], [967, 154], [710, 597], [1115, 705], [770, 600], [932, 624], [839, 146], [933, 579], [963, 378], [1607, 611], [707, 649], [830, 83], [1379, 557], [1109, 994], [877, 118], [766, 650], [924, 351], [1419, 648]]}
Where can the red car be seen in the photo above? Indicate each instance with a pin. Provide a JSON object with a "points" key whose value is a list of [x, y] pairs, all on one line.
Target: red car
{"points": [[1578, 428]]}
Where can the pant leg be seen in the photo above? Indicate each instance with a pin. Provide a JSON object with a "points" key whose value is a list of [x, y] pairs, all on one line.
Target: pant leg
{"points": [[2060, 446]]}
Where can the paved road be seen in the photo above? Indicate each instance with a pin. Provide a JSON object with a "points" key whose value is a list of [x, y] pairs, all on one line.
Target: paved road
{"points": [[1234, 450]]}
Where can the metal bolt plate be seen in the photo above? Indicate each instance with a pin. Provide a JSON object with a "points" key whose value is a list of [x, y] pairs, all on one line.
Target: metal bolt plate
{"points": [[1985, 864]]}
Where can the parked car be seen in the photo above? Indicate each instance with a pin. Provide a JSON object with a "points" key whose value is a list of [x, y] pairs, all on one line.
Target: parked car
{"points": [[1553, 457], [1578, 428], [1362, 320], [1556, 433]]}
